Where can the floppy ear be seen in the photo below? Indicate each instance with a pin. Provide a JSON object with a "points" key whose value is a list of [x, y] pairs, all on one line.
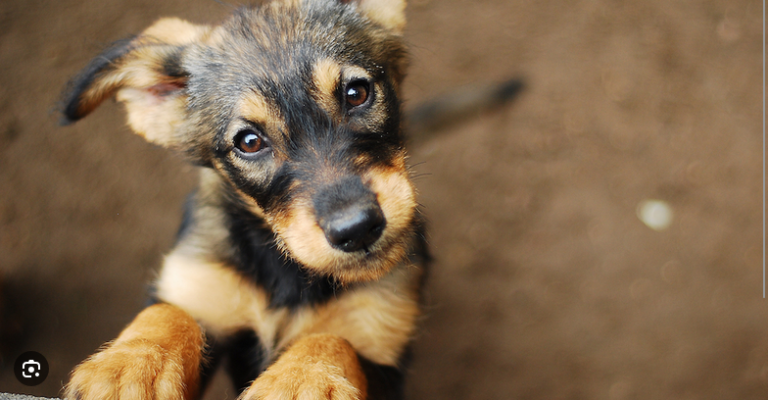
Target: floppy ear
{"points": [[145, 74], [389, 13]]}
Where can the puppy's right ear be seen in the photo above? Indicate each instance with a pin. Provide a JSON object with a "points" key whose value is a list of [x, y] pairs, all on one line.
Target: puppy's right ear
{"points": [[144, 73]]}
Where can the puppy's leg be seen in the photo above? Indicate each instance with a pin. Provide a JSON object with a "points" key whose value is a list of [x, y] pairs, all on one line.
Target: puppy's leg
{"points": [[318, 366], [156, 357]]}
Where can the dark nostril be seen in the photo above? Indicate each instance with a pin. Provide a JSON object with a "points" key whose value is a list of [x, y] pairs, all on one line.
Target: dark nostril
{"points": [[355, 227]]}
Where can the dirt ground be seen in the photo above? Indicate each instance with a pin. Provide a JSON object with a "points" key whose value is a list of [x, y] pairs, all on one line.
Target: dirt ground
{"points": [[546, 283]]}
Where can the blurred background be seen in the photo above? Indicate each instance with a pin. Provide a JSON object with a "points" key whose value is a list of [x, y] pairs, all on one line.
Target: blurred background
{"points": [[599, 237]]}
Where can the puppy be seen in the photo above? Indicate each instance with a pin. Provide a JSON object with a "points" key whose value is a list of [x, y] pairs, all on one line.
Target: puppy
{"points": [[301, 257]]}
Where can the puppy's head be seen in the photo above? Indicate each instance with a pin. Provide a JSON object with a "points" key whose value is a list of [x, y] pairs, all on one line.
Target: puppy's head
{"points": [[295, 106]]}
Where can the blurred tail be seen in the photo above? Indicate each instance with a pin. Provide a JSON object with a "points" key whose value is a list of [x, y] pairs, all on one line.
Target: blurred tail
{"points": [[463, 103]]}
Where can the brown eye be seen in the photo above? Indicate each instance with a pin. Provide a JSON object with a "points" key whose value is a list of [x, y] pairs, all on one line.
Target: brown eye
{"points": [[356, 93], [248, 141]]}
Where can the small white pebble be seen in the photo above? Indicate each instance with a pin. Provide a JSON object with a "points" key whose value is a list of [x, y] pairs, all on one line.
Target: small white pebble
{"points": [[656, 214]]}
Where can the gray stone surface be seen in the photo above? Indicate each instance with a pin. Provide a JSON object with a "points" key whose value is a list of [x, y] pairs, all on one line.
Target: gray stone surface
{"points": [[11, 396]]}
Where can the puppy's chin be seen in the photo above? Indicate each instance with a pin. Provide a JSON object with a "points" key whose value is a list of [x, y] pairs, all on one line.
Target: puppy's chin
{"points": [[347, 268], [364, 266]]}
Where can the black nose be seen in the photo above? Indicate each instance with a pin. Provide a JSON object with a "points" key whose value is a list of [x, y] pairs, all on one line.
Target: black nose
{"points": [[355, 228], [349, 215]]}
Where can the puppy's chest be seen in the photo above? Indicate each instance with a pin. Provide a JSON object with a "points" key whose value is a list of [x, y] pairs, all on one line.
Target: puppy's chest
{"points": [[378, 318], [225, 300]]}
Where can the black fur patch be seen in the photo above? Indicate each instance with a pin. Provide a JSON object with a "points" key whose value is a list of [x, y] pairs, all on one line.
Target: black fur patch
{"points": [[245, 359], [384, 382], [257, 257]]}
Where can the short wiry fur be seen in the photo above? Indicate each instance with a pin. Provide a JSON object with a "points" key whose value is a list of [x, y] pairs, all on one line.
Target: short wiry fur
{"points": [[301, 257]]}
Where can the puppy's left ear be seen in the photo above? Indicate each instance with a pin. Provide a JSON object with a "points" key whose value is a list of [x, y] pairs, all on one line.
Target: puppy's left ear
{"points": [[388, 13], [144, 73]]}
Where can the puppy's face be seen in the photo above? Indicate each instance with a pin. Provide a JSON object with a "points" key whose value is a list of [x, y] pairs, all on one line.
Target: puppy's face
{"points": [[295, 105]]}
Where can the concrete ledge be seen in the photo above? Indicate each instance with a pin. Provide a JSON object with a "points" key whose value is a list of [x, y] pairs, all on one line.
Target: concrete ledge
{"points": [[10, 396]]}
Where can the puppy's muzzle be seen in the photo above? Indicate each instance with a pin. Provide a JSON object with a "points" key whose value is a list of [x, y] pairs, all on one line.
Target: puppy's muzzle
{"points": [[349, 215]]}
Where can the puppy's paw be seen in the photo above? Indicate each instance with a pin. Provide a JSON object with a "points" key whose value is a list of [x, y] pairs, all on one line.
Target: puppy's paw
{"points": [[156, 357], [298, 381], [320, 367], [134, 370]]}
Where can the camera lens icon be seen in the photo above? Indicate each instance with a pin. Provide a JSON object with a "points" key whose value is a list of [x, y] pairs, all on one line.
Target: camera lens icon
{"points": [[31, 368]]}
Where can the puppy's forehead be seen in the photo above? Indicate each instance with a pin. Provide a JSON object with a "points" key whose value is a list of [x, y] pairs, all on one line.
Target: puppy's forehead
{"points": [[281, 35], [266, 58], [282, 64]]}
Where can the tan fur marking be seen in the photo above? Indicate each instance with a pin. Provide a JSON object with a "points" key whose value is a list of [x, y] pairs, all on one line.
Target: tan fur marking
{"points": [[156, 357], [176, 31], [221, 299], [255, 108], [389, 13], [362, 159], [378, 319], [326, 75], [395, 194], [155, 119], [293, 3], [314, 367], [304, 237], [352, 72]]}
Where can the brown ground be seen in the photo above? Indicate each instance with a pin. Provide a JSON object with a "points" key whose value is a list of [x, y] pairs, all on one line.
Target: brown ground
{"points": [[546, 284]]}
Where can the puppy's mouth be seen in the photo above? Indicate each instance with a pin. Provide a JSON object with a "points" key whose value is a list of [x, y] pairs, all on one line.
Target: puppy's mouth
{"points": [[369, 263], [355, 259], [350, 230]]}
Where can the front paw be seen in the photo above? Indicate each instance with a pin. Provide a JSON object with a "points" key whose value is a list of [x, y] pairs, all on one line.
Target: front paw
{"points": [[320, 367], [299, 381], [133, 370]]}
